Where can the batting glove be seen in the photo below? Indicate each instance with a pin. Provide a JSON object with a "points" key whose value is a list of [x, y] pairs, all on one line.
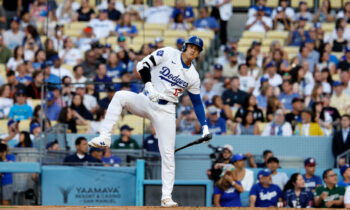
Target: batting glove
{"points": [[205, 132], [151, 93]]}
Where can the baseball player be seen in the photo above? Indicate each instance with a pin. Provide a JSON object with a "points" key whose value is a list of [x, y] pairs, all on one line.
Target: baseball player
{"points": [[167, 72]]}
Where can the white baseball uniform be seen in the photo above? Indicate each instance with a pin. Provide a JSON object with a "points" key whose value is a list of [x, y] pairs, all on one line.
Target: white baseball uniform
{"points": [[170, 77]]}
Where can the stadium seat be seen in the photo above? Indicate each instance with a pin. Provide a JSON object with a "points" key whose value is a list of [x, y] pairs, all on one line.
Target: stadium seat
{"points": [[291, 50], [267, 42], [141, 40], [128, 2], [34, 102], [243, 49], [43, 39], [261, 127], [77, 26], [265, 49], [3, 72], [175, 33], [201, 33], [245, 42], [240, 3], [136, 47], [338, 54], [3, 126], [193, 3], [255, 35], [336, 4], [151, 32], [83, 128], [170, 3], [328, 27], [335, 77], [138, 24], [277, 34], [73, 32], [24, 125], [272, 3], [152, 26], [135, 122], [68, 67], [310, 3]]}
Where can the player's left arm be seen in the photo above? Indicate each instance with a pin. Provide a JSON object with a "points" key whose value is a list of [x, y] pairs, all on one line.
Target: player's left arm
{"points": [[200, 112]]}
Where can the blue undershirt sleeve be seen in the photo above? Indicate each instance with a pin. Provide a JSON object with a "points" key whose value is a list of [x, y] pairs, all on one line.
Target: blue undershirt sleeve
{"points": [[198, 108]]}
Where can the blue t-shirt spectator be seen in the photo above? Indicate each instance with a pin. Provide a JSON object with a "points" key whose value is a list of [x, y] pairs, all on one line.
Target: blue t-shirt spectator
{"points": [[304, 200], [53, 111], [311, 183], [343, 184], [104, 81], [24, 79], [21, 112], [151, 144], [297, 39], [7, 177], [53, 79], [261, 101], [266, 197], [218, 128], [204, 23], [115, 71], [286, 99], [229, 198], [129, 29], [187, 12]]}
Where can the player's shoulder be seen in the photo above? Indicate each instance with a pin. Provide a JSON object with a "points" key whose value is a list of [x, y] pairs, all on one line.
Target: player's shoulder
{"points": [[167, 51]]}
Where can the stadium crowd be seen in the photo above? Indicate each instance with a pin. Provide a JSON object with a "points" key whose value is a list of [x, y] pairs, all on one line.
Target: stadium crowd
{"points": [[253, 89]]}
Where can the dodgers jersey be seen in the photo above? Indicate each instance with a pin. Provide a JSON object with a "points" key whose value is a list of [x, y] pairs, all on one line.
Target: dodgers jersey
{"points": [[170, 77]]}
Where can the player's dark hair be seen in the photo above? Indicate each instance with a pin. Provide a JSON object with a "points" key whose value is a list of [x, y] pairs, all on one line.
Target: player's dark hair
{"points": [[79, 140], [325, 173], [273, 160], [291, 182], [266, 152]]}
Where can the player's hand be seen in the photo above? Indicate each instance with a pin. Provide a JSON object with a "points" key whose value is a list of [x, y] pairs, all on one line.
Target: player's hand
{"points": [[151, 93], [205, 132]]}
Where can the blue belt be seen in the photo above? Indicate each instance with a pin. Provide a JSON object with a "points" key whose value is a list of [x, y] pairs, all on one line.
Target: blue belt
{"points": [[163, 102]]}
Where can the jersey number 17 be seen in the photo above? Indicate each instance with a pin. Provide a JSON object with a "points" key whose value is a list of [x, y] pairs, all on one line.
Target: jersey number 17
{"points": [[177, 91]]}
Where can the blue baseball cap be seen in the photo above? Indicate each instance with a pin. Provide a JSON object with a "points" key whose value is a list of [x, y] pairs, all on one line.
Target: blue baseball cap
{"points": [[264, 172], [344, 168], [263, 79], [255, 42], [261, 8], [110, 88], [126, 127], [309, 161], [218, 66], [49, 96], [180, 41], [17, 19], [33, 126], [94, 149], [20, 92], [50, 144], [270, 64], [103, 10], [347, 49], [317, 25], [337, 83], [10, 122], [302, 2], [238, 157], [309, 41], [301, 18]]}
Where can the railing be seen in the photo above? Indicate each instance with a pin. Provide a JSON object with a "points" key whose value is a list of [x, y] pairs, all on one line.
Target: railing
{"points": [[346, 154]]}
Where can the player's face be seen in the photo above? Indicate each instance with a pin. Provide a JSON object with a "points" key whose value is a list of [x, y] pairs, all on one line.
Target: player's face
{"points": [[192, 51]]}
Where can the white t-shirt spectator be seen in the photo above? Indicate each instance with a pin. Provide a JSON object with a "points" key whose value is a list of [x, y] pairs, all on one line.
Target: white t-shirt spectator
{"points": [[307, 16], [159, 14], [246, 82], [5, 106], [102, 28], [61, 72], [225, 10], [119, 5], [12, 63], [89, 102], [286, 130], [259, 26], [71, 57], [280, 179], [275, 81], [347, 196], [248, 180], [13, 40], [288, 11]]}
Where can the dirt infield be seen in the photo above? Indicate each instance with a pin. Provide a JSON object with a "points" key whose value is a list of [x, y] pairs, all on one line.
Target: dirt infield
{"points": [[121, 208]]}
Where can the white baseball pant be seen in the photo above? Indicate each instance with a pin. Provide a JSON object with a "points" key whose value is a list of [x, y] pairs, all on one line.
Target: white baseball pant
{"points": [[163, 120]]}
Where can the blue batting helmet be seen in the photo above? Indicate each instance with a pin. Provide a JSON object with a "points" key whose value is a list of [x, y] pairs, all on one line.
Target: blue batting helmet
{"points": [[194, 40]]}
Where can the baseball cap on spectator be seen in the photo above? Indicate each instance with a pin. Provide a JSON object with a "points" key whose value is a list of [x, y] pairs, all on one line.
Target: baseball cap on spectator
{"points": [[20, 92], [180, 41], [238, 157], [310, 161], [264, 172], [103, 10], [158, 39], [88, 29], [302, 2], [255, 42], [10, 122], [301, 18], [344, 168], [297, 99], [80, 86], [107, 45], [218, 66], [309, 41], [212, 110], [33, 126], [110, 88], [228, 147], [121, 39], [17, 19], [263, 79], [126, 127], [94, 149], [337, 83], [227, 48], [347, 49], [261, 8], [50, 96], [54, 58], [307, 110], [50, 144], [270, 64]]}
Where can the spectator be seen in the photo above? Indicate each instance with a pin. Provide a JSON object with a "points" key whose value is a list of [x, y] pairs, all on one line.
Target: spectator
{"points": [[109, 159], [125, 141], [150, 143], [298, 35], [14, 36], [22, 75], [219, 80], [101, 79], [271, 74], [345, 13], [207, 92], [26, 19], [295, 195], [340, 42], [179, 43], [97, 154], [246, 82], [229, 69], [308, 128], [65, 13], [346, 176], [316, 95], [179, 23], [233, 98], [294, 117], [324, 62], [125, 27], [217, 102], [78, 76], [265, 93], [341, 138], [247, 126], [216, 124], [85, 12], [20, 110], [266, 155], [339, 99], [18, 58], [33, 90], [89, 64], [346, 198], [218, 164], [264, 194], [289, 12], [13, 83], [5, 101], [24, 140], [32, 37], [325, 12], [260, 22], [53, 146], [278, 127], [287, 96], [52, 108], [186, 123], [281, 21], [181, 8], [278, 178], [70, 55], [205, 21], [254, 70], [5, 53], [303, 12], [345, 79], [227, 191], [71, 119], [96, 123], [184, 105], [306, 55], [330, 195], [80, 157], [329, 117], [113, 13], [225, 13], [89, 101], [245, 176], [78, 106], [250, 105], [159, 13], [35, 129], [345, 64], [137, 9], [58, 70], [88, 37], [105, 101], [6, 180], [253, 10]]}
